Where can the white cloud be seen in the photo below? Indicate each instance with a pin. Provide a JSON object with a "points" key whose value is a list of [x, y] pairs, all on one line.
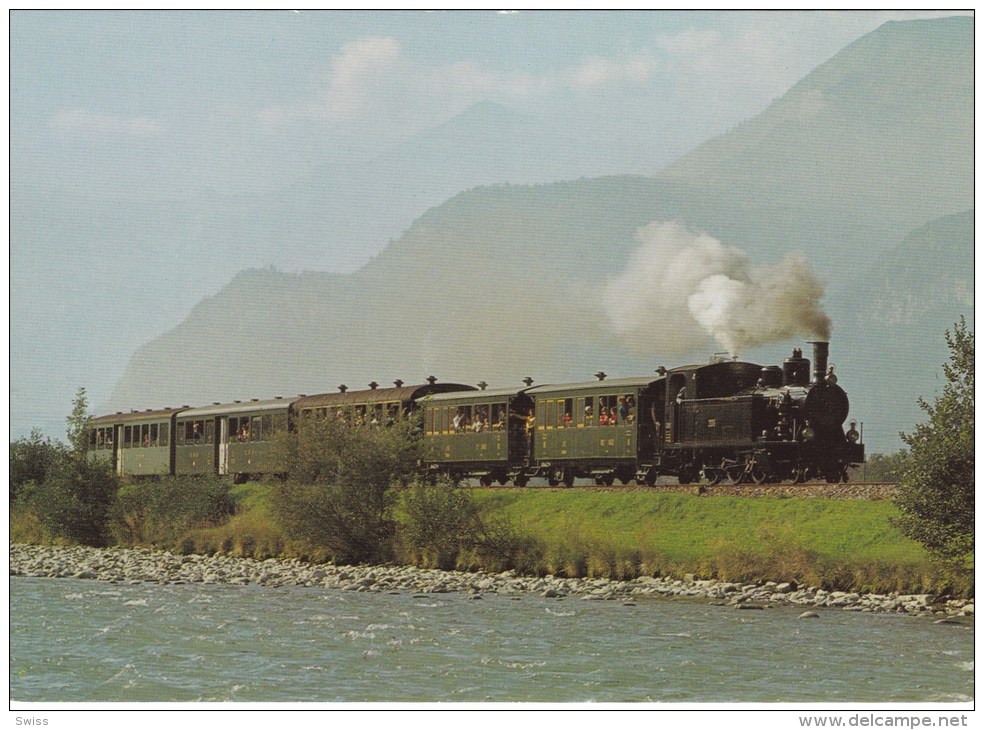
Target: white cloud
{"points": [[372, 77], [596, 72], [83, 121]]}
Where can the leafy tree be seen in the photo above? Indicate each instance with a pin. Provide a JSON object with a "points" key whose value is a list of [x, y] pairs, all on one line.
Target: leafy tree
{"points": [[31, 460], [74, 500], [338, 495], [936, 494]]}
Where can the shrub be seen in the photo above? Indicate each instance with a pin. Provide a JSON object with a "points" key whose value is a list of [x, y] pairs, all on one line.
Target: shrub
{"points": [[32, 460], [74, 501], [339, 495], [446, 528], [161, 511]]}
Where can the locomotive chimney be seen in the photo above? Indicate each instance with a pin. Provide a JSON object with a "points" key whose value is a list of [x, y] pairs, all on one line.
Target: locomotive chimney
{"points": [[820, 352]]}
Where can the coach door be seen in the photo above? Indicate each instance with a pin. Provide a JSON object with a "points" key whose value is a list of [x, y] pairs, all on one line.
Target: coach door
{"points": [[118, 451], [223, 445]]}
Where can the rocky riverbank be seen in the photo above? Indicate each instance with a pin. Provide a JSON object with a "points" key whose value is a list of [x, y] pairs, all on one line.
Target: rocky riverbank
{"points": [[119, 565]]}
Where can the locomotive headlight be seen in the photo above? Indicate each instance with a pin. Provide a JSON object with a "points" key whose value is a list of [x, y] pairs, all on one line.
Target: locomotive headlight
{"points": [[852, 434]]}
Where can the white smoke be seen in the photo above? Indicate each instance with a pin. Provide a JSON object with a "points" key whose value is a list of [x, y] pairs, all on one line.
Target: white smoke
{"points": [[680, 286]]}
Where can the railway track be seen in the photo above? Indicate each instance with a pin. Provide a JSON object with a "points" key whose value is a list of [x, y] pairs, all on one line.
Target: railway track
{"points": [[847, 490]]}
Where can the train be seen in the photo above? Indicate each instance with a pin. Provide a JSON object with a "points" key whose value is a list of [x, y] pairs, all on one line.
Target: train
{"points": [[722, 421]]}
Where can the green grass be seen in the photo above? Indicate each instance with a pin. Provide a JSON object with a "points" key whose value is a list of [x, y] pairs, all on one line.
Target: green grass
{"points": [[835, 544]]}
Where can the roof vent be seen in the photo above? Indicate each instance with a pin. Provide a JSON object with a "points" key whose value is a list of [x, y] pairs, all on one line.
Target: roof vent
{"points": [[482, 385], [254, 400], [216, 403], [601, 375], [398, 383], [343, 388], [431, 379], [373, 385], [186, 406], [237, 401], [661, 370], [278, 397], [528, 380], [302, 395]]}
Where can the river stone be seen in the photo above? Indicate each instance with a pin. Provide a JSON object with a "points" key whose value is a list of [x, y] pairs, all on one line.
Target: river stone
{"points": [[809, 614]]}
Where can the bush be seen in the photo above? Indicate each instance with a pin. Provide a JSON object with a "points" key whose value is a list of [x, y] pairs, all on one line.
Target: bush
{"points": [[160, 512], [74, 500], [446, 528], [339, 495], [32, 460]]}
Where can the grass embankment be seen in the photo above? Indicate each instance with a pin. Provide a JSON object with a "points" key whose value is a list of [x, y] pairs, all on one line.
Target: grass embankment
{"points": [[846, 545], [833, 544]]}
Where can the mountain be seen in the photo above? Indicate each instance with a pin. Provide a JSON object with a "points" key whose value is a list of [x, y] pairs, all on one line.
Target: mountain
{"points": [[894, 316], [858, 166]]}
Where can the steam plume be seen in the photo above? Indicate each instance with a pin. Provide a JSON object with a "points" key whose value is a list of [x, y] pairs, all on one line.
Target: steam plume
{"points": [[680, 286]]}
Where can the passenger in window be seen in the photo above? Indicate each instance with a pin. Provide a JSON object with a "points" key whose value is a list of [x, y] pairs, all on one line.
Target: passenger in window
{"points": [[588, 415], [623, 409], [244, 433], [603, 417], [146, 439], [612, 416], [567, 420]]}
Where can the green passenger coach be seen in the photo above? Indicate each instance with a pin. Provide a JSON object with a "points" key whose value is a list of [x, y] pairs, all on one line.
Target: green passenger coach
{"points": [[602, 430], [139, 443], [483, 434], [235, 439]]}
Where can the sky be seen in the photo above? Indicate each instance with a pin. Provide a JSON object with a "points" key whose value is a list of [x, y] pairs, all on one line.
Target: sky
{"points": [[167, 103], [155, 107]]}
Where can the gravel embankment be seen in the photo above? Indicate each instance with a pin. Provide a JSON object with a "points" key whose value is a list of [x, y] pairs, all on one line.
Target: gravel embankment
{"points": [[133, 566]]}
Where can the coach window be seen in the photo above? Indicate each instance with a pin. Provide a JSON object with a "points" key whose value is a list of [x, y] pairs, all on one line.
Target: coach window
{"points": [[153, 435], [210, 432], [256, 432]]}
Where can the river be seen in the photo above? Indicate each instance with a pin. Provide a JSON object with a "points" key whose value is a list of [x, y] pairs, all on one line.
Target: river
{"points": [[74, 640]]}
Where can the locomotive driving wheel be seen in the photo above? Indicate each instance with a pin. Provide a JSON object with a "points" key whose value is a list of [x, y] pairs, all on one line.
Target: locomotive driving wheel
{"points": [[735, 473], [485, 480], [711, 474]]}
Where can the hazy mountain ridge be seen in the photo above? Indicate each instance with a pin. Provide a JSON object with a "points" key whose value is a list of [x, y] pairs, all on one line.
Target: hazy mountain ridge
{"points": [[505, 281]]}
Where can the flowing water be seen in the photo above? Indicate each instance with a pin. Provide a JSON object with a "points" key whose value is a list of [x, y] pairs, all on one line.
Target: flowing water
{"points": [[83, 640]]}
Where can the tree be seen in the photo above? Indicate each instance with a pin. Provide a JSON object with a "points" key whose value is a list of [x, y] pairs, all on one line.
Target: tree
{"points": [[339, 496], [75, 497], [936, 491], [31, 461]]}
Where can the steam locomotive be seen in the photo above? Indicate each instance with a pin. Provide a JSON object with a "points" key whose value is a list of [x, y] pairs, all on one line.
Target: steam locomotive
{"points": [[723, 421]]}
